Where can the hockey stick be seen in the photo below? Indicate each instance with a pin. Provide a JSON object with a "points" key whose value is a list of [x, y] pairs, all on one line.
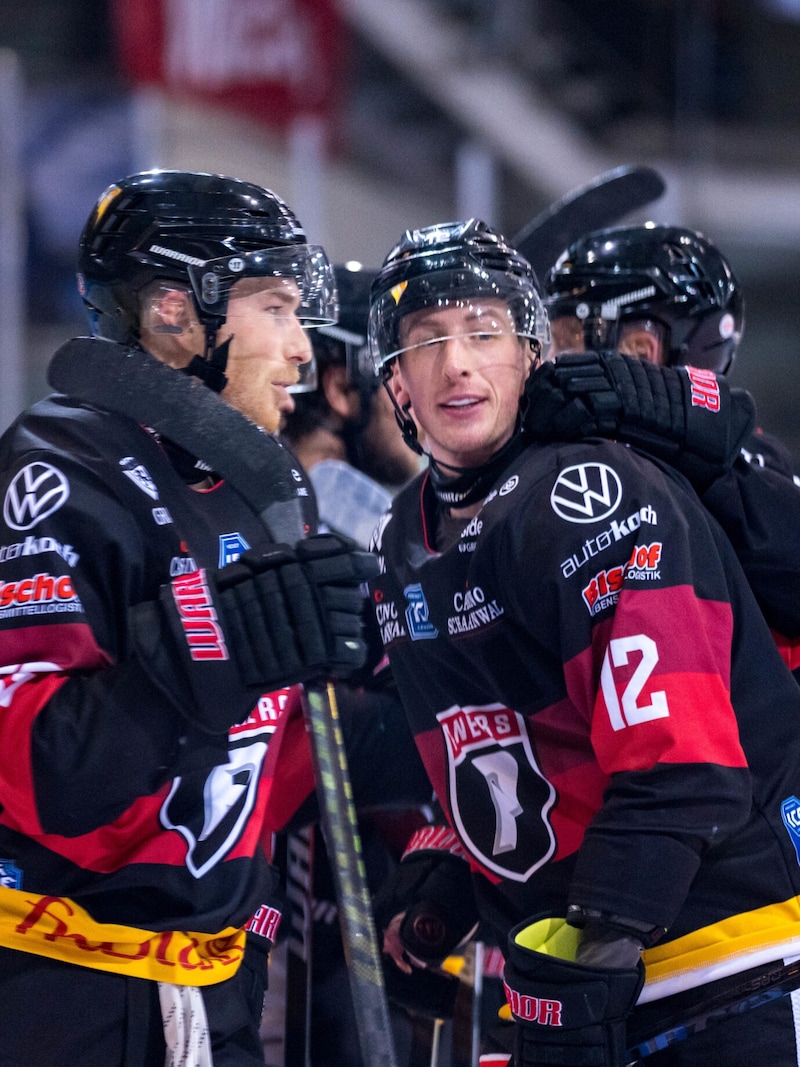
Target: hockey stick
{"points": [[131, 383], [741, 998], [602, 202]]}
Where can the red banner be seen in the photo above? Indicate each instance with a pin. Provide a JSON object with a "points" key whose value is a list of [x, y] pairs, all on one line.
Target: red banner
{"points": [[273, 60]]}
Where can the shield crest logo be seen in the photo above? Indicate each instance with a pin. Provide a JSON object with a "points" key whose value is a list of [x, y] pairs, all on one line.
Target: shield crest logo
{"points": [[211, 814], [499, 798]]}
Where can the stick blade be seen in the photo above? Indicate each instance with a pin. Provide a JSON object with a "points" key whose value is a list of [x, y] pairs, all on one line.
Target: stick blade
{"points": [[600, 203]]}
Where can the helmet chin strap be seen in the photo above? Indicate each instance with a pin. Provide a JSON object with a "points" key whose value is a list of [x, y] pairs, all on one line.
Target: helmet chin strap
{"points": [[460, 487], [210, 367]]}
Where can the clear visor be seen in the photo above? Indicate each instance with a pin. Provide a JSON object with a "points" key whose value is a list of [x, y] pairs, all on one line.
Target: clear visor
{"points": [[477, 309], [643, 338], [307, 266]]}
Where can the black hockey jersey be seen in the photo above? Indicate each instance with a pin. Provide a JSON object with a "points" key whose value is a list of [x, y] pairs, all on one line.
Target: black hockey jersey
{"points": [[757, 503], [600, 707], [109, 797]]}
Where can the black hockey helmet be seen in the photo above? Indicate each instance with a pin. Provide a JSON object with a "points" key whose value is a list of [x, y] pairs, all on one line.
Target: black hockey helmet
{"points": [[345, 343], [669, 274], [341, 345], [206, 231], [440, 264]]}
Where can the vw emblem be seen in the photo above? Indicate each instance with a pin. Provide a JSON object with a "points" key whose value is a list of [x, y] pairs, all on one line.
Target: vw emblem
{"points": [[36, 492], [587, 492]]}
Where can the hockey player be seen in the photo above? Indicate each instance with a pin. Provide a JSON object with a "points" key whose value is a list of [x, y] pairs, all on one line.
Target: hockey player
{"points": [[667, 297], [597, 700], [345, 436], [142, 666], [347, 423]]}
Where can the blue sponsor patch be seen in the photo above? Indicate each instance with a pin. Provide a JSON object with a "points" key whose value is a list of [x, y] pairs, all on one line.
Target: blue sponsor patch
{"points": [[790, 813], [231, 547], [420, 627], [10, 875]]}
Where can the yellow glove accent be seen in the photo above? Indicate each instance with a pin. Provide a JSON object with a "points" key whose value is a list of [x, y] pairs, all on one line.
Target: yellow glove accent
{"points": [[552, 937], [454, 965]]}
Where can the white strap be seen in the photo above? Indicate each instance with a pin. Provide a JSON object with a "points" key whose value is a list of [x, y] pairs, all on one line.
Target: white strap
{"points": [[183, 1014]]}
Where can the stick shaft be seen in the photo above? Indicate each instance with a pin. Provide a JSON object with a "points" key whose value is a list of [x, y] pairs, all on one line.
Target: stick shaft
{"points": [[355, 906], [745, 997]]}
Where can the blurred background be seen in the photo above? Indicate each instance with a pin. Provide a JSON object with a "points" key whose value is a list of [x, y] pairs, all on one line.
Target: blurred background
{"points": [[370, 116]]}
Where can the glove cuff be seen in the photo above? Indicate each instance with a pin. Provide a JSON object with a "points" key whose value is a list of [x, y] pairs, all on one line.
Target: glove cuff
{"points": [[555, 993]]}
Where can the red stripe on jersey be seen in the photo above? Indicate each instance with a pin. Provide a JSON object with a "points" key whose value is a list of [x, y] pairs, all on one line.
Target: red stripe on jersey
{"points": [[288, 769], [657, 682], [69, 645], [789, 650]]}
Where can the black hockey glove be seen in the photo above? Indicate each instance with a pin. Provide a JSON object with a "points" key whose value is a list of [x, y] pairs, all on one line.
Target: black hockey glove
{"points": [[564, 1012], [432, 889], [215, 642], [691, 418]]}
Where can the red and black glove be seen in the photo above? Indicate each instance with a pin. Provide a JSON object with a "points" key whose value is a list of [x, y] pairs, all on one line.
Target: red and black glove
{"points": [[215, 642], [691, 418]]}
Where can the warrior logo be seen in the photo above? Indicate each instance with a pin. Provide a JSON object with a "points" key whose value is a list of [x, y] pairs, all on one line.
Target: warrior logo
{"points": [[588, 492], [36, 492], [212, 827], [491, 767]]}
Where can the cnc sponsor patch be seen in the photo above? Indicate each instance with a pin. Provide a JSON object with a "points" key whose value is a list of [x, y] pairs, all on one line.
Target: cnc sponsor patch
{"points": [[388, 619], [489, 757], [181, 565], [420, 627], [617, 529], [474, 610], [36, 492], [199, 617], [790, 813], [231, 546], [39, 595], [140, 476], [35, 546], [603, 589], [587, 492]]}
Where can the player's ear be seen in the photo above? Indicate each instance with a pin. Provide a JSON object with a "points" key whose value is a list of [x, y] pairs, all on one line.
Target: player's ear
{"points": [[341, 396], [397, 387]]}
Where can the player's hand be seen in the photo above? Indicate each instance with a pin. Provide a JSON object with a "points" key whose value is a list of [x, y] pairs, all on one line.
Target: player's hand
{"points": [[691, 418], [217, 641]]}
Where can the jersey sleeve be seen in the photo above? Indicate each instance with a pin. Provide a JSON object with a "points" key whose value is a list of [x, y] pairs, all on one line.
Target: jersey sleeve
{"points": [[759, 509], [83, 730], [640, 604]]}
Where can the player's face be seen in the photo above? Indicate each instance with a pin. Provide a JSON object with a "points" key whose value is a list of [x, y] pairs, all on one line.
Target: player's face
{"points": [[566, 336], [640, 338], [462, 370], [268, 345]]}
